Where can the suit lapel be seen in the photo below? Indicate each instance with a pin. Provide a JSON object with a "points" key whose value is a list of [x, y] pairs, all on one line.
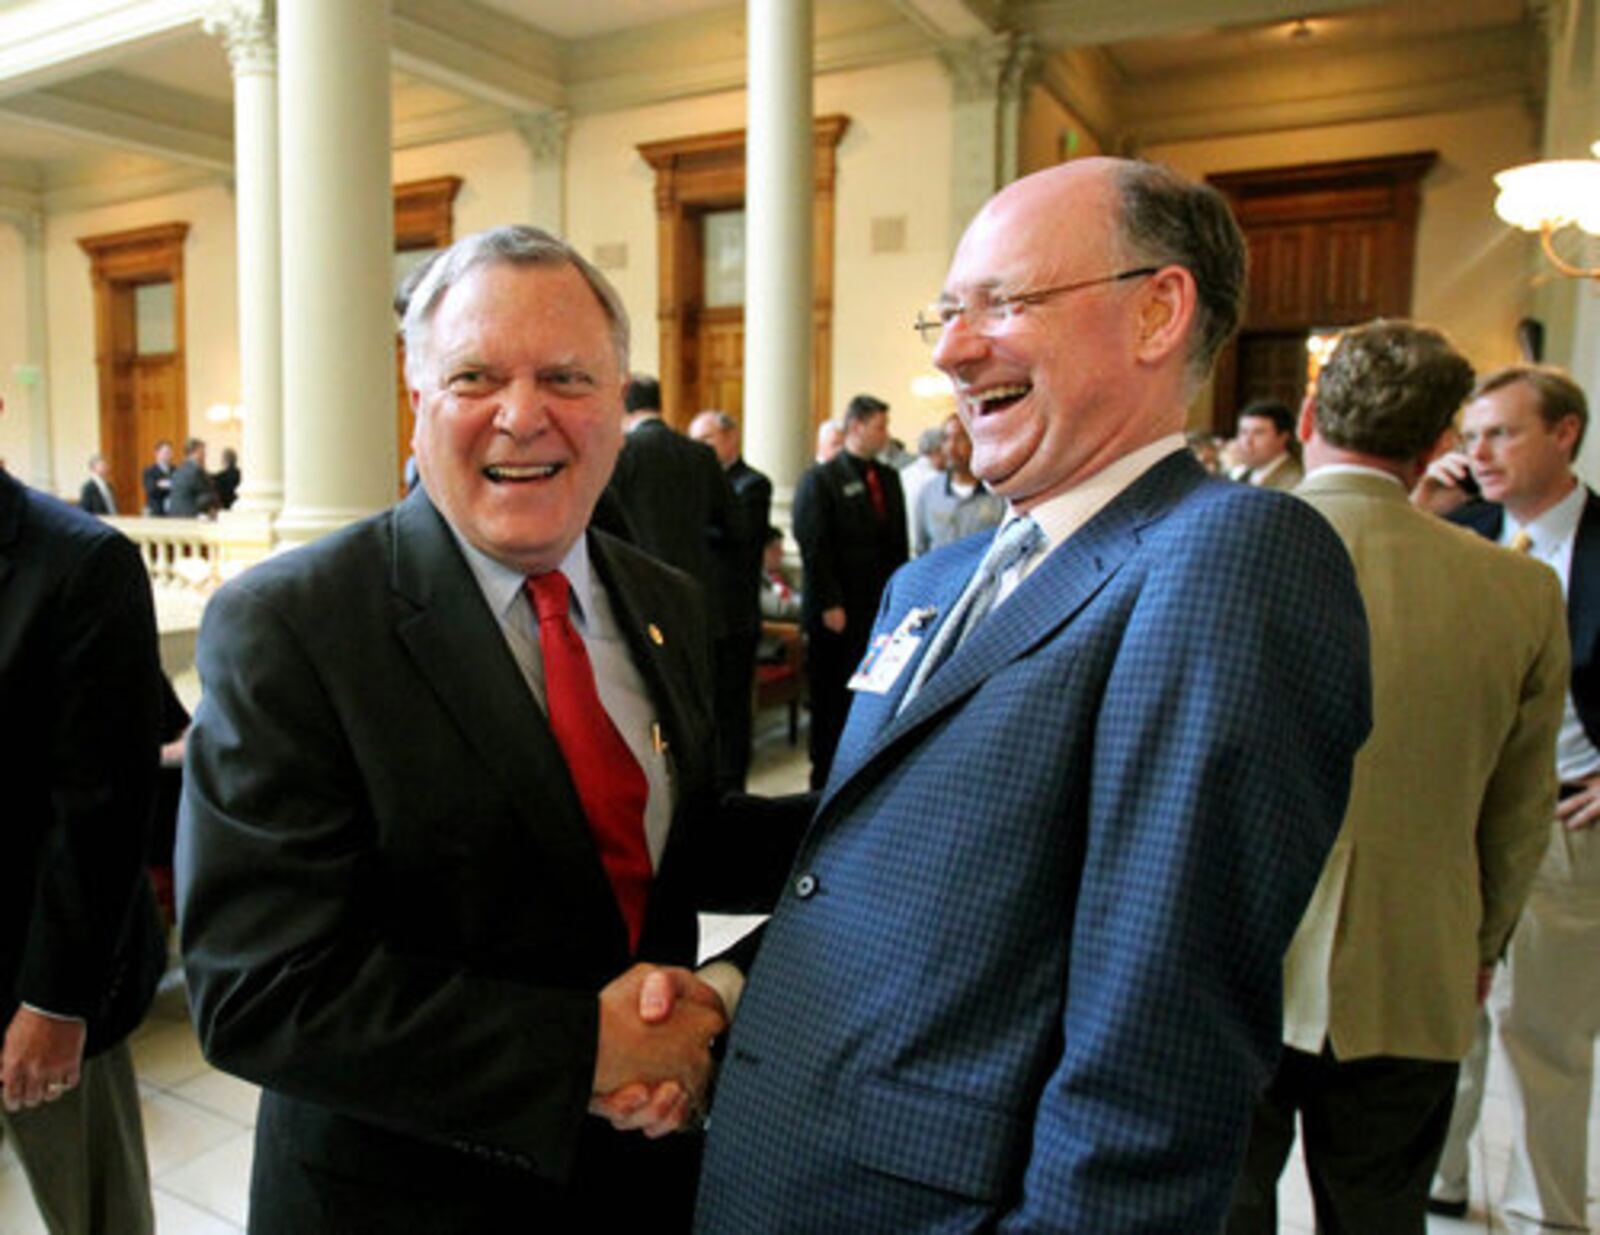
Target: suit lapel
{"points": [[458, 648], [1047, 600]]}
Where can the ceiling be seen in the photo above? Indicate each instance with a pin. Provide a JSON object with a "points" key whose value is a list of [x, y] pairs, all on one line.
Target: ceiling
{"points": [[102, 100]]}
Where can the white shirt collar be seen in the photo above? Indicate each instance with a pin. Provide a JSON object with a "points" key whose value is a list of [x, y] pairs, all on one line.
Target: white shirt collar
{"points": [[502, 586], [1553, 527], [1064, 514], [1355, 469]]}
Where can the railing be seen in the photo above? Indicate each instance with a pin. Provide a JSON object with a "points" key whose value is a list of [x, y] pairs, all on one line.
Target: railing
{"points": [[188, 559]]}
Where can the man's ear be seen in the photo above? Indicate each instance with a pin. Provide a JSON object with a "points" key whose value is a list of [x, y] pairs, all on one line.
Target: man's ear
{"points": [[1308, 417], [1166, 311]]}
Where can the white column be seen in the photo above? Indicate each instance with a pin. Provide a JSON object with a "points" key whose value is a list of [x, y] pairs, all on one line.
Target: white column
{"points": [[545, 134], [246, 28], [989, 78], [340, 457], [35, 375], [778, 287]]}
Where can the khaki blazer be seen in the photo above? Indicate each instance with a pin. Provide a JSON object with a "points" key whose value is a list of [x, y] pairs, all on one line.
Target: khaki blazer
{"points": [[1453, 793]]}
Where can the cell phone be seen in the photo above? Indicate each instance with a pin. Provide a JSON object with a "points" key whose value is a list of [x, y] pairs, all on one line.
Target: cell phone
{"points": [[1468, 484]]}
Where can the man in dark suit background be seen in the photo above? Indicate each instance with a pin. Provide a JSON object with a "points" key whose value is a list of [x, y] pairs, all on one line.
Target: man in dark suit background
{"points": [[448, 804], [678, 504], [739, 596], [80, 950], [192, 495], [1521, 430], [850, 523], [96, 496], [157, 480], [1026, 976]]}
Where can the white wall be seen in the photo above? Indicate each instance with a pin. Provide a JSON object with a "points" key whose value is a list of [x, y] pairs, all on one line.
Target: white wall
{"points": [[210, 320], [1471, 273]]}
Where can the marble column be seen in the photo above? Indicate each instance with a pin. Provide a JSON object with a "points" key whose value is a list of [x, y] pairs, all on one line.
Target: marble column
{"points": [[989, 79], [33, 375], [778, 282], [340, 452], [246, 28], [545, 134]]}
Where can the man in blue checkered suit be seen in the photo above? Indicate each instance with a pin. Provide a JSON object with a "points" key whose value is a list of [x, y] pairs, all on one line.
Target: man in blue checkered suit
{"points": [[1025, 976]]}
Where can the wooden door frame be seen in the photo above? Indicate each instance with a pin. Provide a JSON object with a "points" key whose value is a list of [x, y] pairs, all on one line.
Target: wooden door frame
{"points": [[122, 261], [424, 218], [704, 172], [1323, 194]]}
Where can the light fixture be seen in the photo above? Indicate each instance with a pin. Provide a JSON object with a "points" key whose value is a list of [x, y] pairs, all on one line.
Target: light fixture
{"points": [[1548, 196]]}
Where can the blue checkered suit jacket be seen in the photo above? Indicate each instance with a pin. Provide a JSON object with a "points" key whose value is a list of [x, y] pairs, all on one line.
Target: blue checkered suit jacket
{"points": [[1026, 974]]}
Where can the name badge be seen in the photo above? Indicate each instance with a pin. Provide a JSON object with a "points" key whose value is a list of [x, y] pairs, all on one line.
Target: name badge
{"points": [[851, 488], [889, 654]]}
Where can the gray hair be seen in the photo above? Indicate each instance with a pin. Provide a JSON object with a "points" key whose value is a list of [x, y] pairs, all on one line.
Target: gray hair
{"points": [[418, 296], [1167, 220]]}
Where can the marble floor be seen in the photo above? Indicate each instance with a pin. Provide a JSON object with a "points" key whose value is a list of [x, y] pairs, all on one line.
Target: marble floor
{"points": [[198, 1121]]}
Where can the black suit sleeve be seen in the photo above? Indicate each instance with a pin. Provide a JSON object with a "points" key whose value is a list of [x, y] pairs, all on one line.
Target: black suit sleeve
{"points": [[103, 704], [813, 531]]}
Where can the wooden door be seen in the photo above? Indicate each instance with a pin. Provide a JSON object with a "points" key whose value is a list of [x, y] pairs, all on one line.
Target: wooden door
{"points": [[720, 347], [141, 382]]}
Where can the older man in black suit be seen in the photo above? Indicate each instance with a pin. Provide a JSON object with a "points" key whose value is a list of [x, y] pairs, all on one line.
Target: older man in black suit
{"points": [[438, 835], [739, 596], [80, 947], [850, 520]]}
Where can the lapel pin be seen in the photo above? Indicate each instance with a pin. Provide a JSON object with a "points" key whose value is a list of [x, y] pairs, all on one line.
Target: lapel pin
{"points": [[656, 637]]}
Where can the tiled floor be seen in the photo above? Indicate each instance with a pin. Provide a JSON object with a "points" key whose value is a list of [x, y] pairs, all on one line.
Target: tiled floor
{"points": [[198, 1121]]}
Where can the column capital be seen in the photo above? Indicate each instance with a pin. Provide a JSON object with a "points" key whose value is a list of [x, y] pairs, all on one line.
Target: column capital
{"points": [[977, 66], [248, 29], [29, 225], [545, 133]]}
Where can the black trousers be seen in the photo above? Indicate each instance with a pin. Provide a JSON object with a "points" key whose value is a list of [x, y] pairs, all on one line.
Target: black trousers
{"points": [[831, 660], [1373, 1130], [735, 671]]}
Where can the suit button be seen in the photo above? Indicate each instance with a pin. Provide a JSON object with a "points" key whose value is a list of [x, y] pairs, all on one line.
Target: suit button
{"points": [[805, 887]]}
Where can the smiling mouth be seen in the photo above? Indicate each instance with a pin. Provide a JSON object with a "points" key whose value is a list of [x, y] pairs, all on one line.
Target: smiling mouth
{"points": [[998, 398], [506, 474]]}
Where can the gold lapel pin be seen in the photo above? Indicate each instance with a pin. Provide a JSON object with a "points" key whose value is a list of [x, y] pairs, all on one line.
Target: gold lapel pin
{"points": [[656, 637]]}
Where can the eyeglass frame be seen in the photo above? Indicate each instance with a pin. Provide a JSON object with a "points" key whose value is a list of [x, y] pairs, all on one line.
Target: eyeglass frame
{"points": [[929, 330]]}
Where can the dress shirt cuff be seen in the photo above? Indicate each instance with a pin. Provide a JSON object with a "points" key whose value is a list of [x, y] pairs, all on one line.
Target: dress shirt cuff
{"points": [[78, 1020], [724, 978]]}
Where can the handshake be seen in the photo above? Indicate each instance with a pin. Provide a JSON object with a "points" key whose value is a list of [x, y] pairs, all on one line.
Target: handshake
{"points": [[652, 1071]]}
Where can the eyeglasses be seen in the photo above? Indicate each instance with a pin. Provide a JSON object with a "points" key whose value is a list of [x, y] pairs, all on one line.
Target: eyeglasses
{"points": [[985, 315]]}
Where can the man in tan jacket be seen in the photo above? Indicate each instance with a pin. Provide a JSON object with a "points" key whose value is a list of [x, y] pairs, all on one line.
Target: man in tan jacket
{"points": [[1448, 811]]}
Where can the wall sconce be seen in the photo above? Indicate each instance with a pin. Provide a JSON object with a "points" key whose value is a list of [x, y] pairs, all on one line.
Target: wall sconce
{"points": [[1545, 197]]}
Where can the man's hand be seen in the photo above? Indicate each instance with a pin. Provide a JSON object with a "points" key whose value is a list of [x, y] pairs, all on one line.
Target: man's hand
{"points": [[1439, 491], [41, 1058], [1582, 809], [653, 1069], [833, 619]]}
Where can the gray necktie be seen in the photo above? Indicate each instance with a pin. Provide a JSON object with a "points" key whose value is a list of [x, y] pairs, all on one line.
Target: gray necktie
{"points": [[1017, 541]]}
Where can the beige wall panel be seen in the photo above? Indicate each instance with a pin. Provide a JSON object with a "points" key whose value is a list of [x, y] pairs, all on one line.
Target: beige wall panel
{"points": [[1472, 272], [893, 162], [210, 320], [494, 169], [15, 436]]}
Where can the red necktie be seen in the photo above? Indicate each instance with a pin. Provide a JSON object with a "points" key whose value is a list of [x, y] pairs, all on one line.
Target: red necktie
{"points": [[875, 491], [610, 783]]}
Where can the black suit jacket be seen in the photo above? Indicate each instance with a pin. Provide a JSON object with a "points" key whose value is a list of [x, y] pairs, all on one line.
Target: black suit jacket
{"points": [[394, 916], [741, 564], [848, 552], [678, 504], [79, 719], [91, 499], [157, 482], [1583, 599]]}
